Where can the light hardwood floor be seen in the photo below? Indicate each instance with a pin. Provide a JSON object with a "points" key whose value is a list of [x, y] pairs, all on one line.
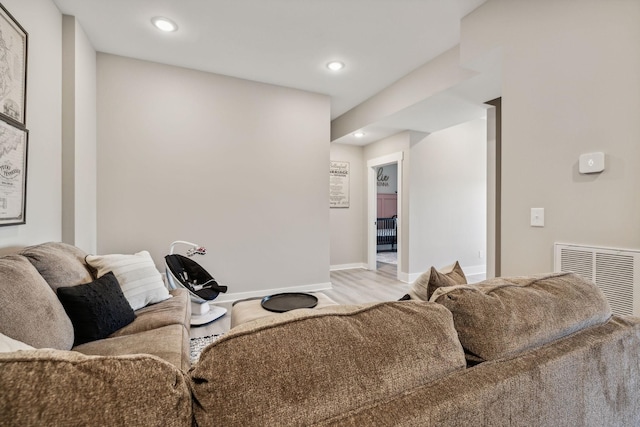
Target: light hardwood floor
{"points": [[360, 286], [357, 286]]}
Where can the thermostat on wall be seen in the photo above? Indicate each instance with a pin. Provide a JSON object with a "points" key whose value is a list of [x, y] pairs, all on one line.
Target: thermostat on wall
{"points": [[591, 163]]}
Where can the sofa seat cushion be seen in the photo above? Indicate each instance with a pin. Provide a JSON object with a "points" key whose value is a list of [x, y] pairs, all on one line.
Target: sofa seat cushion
{"points": [[59, 264], [31, 312], [174, 311], [64, 388], [170, 343], [502, 317], [96, 309], [307, 365]]}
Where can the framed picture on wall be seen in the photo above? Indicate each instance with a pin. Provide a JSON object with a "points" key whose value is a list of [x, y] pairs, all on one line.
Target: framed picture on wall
{"points": [[13, 173], [13, 68], [339, 184]]}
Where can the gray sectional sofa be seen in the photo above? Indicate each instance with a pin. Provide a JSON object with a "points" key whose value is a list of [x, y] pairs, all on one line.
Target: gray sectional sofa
{"points": [[521, 351], [534, 351], [135, 376]]}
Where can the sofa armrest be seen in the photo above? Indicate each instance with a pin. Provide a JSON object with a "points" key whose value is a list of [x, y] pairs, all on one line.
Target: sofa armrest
{"points": [[55, 387]]}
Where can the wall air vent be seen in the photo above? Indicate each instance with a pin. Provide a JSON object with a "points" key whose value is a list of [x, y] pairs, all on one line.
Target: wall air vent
{"points": [[615, 271]]}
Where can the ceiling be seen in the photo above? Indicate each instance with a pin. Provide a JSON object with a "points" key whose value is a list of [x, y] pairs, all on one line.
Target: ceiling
{"points": [[282, 42]]}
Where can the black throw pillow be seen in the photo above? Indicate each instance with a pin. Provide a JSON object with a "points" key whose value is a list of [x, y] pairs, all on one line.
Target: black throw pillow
{"points": [[96, 309]]}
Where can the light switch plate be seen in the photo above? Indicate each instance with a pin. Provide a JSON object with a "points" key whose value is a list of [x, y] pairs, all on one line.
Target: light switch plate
{"points": [[537, 217]]}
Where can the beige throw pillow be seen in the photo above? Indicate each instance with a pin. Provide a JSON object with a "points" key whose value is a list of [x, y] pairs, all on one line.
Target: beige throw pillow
{"points": [[138, 276], [432, 279]]}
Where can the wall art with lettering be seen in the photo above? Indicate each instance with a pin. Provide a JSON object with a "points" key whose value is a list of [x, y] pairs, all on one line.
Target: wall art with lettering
{"points": [[339, 184], [13, 173]]}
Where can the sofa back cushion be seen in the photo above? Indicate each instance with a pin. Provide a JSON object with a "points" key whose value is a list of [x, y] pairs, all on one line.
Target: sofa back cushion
{"points": [[305, 366], [59, 264], [63, 388], [31, 312], [502, 317]]}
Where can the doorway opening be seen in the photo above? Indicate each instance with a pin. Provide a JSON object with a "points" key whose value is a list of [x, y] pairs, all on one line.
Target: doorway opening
{"points": [[387, 215], [384, 211]]}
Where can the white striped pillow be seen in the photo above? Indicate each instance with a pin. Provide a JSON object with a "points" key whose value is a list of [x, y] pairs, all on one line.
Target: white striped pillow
{"points": [[8, 345], [138, 276]]}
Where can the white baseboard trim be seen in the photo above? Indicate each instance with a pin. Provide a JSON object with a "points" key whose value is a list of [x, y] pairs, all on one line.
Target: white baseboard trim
{"points": [[411, 277], [348, 266], [475, 270], [475, 278], [264, 292], [405, 277]]}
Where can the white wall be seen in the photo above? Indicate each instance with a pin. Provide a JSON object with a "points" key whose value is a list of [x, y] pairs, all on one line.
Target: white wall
{"points": [[570, 86], [237, 166], [444, 201], [448, 198], [78, 138], [43, 21], [347, 231]]}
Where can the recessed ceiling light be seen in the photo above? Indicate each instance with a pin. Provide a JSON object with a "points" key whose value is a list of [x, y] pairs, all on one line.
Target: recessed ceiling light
{"points": [[335, 65], [359, 134], [164, 24]]}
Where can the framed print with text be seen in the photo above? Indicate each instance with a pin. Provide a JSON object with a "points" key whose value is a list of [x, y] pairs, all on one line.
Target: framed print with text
{"points": [[339, 184], [13, 174], [13, 68]]}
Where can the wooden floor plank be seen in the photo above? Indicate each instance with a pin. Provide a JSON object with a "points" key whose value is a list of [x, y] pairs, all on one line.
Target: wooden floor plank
{"points": [[360, 286]]}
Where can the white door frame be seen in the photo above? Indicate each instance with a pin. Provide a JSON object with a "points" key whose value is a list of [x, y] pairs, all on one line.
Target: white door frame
{"points": [[372, 208]]}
